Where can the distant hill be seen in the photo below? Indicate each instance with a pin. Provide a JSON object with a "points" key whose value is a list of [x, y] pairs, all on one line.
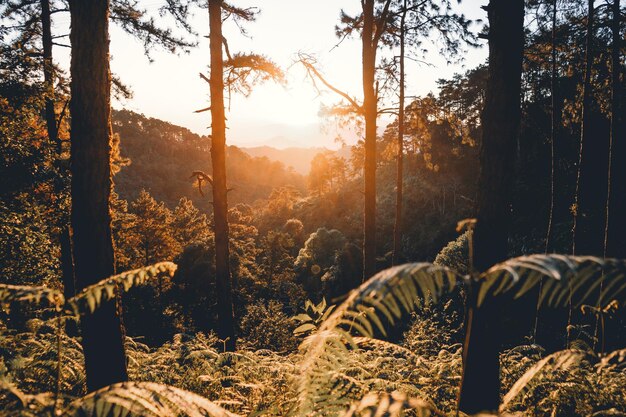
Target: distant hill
{"points": [[163, 156], [297, 158]]}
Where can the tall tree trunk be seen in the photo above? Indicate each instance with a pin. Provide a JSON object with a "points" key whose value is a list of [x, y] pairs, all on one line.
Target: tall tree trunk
{"points": [[480, 386], [397, 229], [48, 74], [591, 182], [226, 325], [615, 244], [554, 120], [370, 114], [105, 361], [65, 242], [616, 223]]}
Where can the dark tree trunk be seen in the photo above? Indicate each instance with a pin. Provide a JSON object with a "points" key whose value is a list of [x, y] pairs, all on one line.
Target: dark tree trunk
{"points": [[613, 331], [397, 229], [226, 325], [480, 386], [591, 183], [370, 114], [616, 220], [105, 361], [554, 120], [67, 262], [48, 73]]}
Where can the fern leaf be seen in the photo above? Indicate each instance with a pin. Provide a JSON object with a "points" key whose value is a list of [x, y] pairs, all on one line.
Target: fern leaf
{"points": [[562, 360], [90, 298], [390, 405], [145, 399], [568, 277], [380, 301], [29, 294]]}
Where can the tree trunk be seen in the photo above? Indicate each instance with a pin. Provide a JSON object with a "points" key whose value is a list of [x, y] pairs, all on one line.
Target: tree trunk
{"points": [[591, 184], [226, 325], [554, 120], [67, 263], [397, 229], [615, 243], [370, 115], [48, 74], [480, 386], [616, 223], [105, 361]]}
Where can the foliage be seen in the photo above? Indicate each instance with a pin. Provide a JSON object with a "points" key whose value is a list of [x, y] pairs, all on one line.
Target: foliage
{"points": [[143, 399], [266, 326], [312, 317]]}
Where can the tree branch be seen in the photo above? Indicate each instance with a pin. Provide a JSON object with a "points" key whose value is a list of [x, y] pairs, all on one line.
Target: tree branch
{"points": [[308, 62]]}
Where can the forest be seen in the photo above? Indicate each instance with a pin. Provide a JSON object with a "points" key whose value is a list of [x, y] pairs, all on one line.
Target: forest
{"points": [[466, 255]]}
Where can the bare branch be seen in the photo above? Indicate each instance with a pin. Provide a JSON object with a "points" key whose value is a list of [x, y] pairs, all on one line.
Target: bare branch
{"points": [[309, 64]]}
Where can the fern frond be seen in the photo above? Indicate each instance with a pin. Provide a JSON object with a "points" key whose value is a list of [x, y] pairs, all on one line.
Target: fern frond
{"points": [[614, 361], [389, 405], [380, 301], [384, 346], [93, 296], [145, 399], [30, 294], [569, 277], [562, 360]]}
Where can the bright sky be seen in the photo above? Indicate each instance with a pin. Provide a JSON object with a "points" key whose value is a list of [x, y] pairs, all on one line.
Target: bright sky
{"points": [[171, 89]]}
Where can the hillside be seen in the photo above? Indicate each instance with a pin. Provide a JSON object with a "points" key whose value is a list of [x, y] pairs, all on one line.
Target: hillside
{"points": [[163, 156], [297, 158]]}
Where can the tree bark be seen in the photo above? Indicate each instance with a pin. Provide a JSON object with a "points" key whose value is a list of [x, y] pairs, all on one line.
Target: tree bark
{"points": [[226, 325], [105, 361], [65, 242], [480, 386], [591, 183], [397, 229], [554, 120], [48, 74], [616, 223], [370, 115]]}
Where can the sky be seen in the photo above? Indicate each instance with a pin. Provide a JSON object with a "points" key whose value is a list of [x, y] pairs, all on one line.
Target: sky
{"points": [[170, 88]]}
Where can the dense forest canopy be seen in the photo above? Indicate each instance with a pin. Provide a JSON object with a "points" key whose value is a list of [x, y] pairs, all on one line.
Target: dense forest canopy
{"points": [[466, 253]]}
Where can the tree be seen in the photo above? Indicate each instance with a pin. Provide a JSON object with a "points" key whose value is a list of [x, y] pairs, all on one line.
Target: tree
{"points": [[371, 26], [188, 225], [480, 386], [239, 68], [373, 29], [591, 183], [616, 221], [226, 325], [153, 228], [397, 228], [105, 361]]}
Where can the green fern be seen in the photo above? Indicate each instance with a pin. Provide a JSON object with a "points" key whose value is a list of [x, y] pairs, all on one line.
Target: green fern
{"points": [[29, 294], [322, 386], [562, 360], [390, 405], [573, 278], [391, 293], [90, 298], [145, 399]]}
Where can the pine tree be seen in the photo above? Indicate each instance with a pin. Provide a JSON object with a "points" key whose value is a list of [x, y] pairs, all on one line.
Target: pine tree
{"points": [[105, 361]]}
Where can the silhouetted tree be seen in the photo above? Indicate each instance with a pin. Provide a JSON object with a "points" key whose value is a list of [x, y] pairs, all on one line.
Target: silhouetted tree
{"points": [[226, 325], [591, 183], [105, 362], [480, 386]]}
